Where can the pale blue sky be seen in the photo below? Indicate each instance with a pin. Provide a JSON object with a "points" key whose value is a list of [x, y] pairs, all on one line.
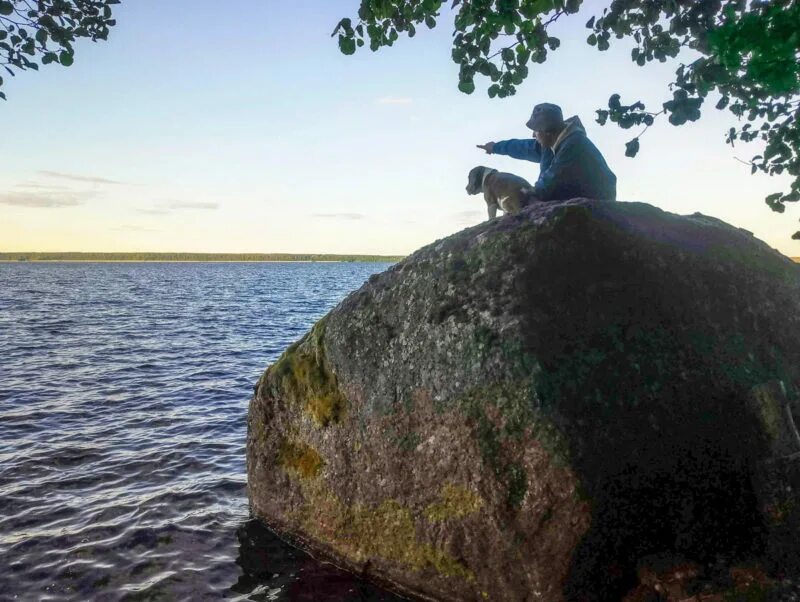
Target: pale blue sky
{"points": [[245, 130]]}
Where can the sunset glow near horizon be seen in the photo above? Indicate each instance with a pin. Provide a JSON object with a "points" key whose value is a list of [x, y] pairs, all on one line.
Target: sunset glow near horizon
{"points": [[246, 131]]}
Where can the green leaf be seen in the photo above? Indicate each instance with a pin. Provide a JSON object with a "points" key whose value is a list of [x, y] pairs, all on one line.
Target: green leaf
{"points": [[466, 86], [6, 8], [773, 200], [632, 147], [347, 45], [65, 58]]}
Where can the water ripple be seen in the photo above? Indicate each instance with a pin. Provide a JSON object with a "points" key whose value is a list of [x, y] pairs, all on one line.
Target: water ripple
{"points": [[123, 404]]}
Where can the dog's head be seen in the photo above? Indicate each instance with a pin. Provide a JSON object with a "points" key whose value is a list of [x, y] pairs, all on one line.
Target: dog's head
{"points": [[475, 179]]}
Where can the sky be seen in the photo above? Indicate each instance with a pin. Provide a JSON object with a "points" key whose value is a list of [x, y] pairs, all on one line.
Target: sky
{"points": [[245, 130]]}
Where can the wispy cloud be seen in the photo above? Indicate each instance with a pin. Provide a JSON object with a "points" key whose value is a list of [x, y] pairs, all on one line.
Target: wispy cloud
{"points": [[47, 187], [464, 218], [340, 215], [132, 228], [193, 205], [395, 100], [44, 200], [165, 208], [153, 211], [76, 178]]}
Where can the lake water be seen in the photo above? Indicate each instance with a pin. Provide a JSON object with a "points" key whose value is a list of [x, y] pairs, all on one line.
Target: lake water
{"points": [[123, 403]]}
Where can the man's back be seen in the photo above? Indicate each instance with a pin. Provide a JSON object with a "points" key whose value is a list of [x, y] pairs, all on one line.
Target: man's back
{"points": [[578, 169]]}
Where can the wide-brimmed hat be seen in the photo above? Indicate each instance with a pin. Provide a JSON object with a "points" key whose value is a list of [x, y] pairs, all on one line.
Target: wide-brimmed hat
{"points": [[546, 117]]}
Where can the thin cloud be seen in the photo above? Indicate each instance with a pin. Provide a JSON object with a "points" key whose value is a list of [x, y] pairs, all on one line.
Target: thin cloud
{"points": [[153, 211], [132, 228], [468, 217], [41, 200], [193, 205], [352, 216], [395, 100], [47, 187], [169, 207], [76, 178]]}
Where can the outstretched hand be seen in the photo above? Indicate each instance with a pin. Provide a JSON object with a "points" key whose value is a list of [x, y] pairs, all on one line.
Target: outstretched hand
{"points": [[488, 147]]}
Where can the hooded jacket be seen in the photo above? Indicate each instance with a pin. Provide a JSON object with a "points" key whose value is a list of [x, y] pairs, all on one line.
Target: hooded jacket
{"points": [[572, 168]]}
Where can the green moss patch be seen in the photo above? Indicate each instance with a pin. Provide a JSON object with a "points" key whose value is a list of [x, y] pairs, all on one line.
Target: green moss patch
{"points": [[455, 501], [769, 411], [387, 531], [517, 405], [304, 377], [300, 458]]}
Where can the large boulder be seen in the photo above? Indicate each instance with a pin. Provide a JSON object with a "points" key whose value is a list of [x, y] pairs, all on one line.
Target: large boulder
{"points": [[530, 408]]}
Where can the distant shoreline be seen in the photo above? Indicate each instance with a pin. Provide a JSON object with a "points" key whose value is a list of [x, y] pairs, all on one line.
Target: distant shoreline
{"points": [[195, 258], [201, 258]]}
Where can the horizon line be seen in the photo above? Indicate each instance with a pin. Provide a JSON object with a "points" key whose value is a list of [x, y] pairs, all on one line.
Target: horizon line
{"points": [[193, 253], [15, 256], [202, 257]]}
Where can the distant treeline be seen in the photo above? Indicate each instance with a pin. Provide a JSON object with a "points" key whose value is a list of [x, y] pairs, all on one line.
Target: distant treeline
{"points": [[201, 257], [192, 257]]}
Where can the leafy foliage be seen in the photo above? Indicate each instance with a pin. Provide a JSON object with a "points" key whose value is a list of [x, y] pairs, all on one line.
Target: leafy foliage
{"points": [[46, 29], [745, 52]]}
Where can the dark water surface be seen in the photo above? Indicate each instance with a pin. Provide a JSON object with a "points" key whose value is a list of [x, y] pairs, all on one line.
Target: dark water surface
{"points": [[123, 402]]}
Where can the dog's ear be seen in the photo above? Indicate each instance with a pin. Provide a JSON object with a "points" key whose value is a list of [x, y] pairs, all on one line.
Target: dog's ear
{"points": [[474, 179]]}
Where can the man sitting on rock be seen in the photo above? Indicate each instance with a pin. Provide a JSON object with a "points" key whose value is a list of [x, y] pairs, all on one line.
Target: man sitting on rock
{"points": [[570, 165]]}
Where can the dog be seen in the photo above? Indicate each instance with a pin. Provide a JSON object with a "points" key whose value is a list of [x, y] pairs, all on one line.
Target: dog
{"points": [[500, 190]]}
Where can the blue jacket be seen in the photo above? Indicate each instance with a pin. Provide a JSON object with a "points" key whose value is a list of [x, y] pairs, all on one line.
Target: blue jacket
{"points": [[574, 168]]}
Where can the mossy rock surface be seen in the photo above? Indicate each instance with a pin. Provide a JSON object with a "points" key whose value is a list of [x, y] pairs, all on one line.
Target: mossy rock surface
{"points": [[526, 409]]}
